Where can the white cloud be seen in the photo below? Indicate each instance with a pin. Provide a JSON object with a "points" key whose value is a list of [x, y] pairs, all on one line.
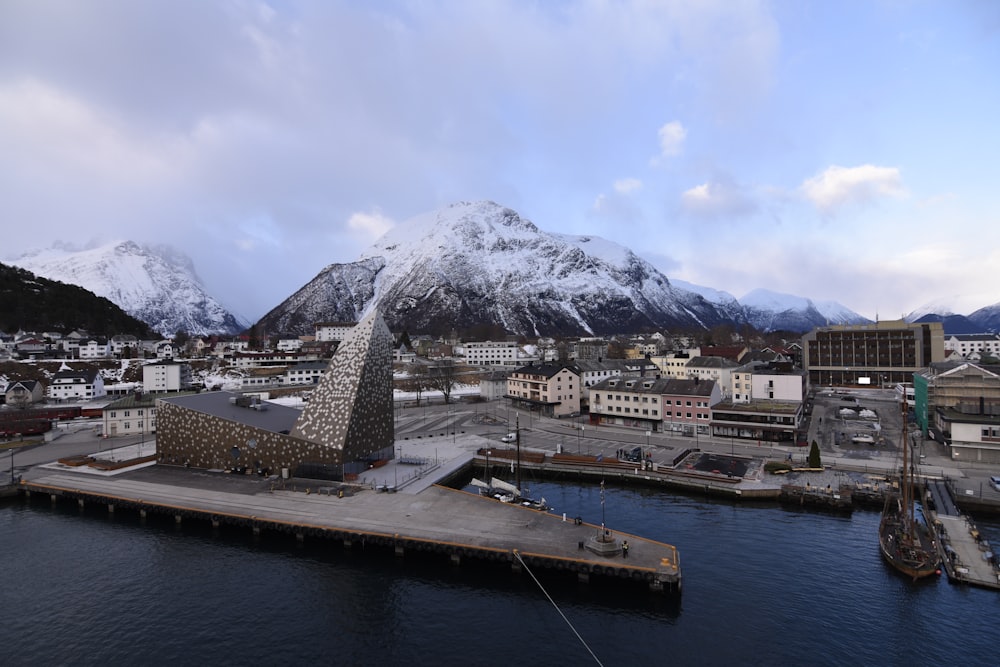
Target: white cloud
{"points": [[717, 199], [672, 137], [370, 225], [626, 186], [838, 186]]}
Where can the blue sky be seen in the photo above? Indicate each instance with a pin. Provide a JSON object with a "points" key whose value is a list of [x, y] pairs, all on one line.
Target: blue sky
{"points": [[840, 151]]}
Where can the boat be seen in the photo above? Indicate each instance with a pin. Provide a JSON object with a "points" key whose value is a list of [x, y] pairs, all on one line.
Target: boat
{"points": [[506, 492], [906, 542]]}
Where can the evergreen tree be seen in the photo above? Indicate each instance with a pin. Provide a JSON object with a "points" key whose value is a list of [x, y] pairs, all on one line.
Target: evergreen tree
{"points": [[814, 460]]}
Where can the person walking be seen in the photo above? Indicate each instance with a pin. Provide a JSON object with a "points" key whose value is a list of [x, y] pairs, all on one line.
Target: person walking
{"points": [[624, 548]]}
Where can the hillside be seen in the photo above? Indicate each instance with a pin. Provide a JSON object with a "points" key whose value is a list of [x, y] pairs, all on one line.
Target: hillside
{"points": [[31, 303]]}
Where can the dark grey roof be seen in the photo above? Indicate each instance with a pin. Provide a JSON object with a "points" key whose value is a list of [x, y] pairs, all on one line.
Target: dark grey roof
{"points": [[141, 400], [662, 386], [711, 362], [274, 417], [547, 370]]}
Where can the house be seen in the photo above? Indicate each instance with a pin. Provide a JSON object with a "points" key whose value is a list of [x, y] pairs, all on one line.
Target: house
{"points": [[498, 354], [654, 404], [553, 389], [768, 381], [493, 386], [717, 369], [403, 355], [333, 331], [166, 349], [21, 393], [289, 344], [82, 385], [307, 372], [166, 375], [950, 395], [134, 414], [124, 345], [969, 344], [93, 349]]}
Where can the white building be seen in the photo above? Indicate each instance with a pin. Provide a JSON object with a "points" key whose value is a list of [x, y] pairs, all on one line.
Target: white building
{"points": [[70, 385], [92, 349], [134, 414], [757, 382], [967, 344], [333, 331], [493, 353], [166, 375], [308, 372], [289, 344]]}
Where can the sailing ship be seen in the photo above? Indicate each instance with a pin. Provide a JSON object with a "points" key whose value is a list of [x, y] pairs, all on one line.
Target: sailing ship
{"points": [[506, 492], [906, 542]]}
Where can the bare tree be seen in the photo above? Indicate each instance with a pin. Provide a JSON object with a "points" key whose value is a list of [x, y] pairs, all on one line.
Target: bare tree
{"points": [[442, 377]]}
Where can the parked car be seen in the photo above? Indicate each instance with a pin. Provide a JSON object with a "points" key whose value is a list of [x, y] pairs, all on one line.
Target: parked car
{"points": [[510, 437], [995, 482]]}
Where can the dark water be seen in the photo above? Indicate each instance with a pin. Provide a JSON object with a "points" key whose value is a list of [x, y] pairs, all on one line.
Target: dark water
{"points": [[762, 586]]}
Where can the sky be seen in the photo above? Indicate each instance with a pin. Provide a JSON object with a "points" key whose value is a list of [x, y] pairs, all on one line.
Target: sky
{"points": [[843, 151]]}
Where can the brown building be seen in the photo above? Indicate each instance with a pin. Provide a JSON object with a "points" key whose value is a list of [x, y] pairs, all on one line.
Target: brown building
{"points": [[879, 354]]}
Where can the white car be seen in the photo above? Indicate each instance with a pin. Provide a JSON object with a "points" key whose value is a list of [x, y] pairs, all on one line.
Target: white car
{"points": [[995, 482], [510, 437]]}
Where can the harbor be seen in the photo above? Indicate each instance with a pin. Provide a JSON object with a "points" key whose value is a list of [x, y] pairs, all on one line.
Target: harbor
{"points": [[418, 516]]}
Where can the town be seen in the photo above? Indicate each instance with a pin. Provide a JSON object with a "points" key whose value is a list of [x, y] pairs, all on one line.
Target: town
{"points": [[655, 382]]}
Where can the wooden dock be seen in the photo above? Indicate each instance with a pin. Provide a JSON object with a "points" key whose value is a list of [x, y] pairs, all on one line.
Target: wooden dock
{"points": [[965, 553], [455, 524]]}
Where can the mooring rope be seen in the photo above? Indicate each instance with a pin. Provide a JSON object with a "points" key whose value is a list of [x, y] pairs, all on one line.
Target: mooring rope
{"points": [[582, 641]]}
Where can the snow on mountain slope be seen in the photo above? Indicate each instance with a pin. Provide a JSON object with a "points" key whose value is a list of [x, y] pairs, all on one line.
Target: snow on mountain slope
{"points": [[770, 311], [480, 263], [156, 285]]}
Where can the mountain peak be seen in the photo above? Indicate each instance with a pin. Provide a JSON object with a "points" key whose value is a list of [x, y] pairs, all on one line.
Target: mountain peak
{"points": [[154, 284]]}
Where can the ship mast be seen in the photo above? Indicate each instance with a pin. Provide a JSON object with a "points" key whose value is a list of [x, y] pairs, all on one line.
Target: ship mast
{"points": [[906, 480]]}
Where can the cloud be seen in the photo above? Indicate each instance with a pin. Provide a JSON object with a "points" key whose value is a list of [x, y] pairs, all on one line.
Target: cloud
{"points": [[717, 199], [839, 186], [627, 186], [672, 137], [370, 226]]}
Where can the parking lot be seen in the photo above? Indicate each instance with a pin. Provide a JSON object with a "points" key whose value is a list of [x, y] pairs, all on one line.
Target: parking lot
{"points": [[861, 424]]}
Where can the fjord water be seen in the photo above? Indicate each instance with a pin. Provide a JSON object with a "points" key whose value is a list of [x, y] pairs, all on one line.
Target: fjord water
{"points": [[763, 585]]}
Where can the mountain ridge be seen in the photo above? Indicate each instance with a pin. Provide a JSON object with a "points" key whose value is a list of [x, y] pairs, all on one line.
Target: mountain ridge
{"points": [[482, 263], [155, 284]]}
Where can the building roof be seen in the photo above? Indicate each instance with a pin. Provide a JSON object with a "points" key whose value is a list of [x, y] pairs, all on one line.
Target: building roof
{"points": [[141, 400], [546, 370], [222, 404], [660, 386], [712, 362], [88, 375]]}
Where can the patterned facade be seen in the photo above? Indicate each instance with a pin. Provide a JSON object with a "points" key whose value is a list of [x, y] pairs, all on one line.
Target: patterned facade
{"points": [[350, 410], [347, 422]]}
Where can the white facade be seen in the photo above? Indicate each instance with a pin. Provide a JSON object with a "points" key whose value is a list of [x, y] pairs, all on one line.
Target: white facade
{"points": [[762, 384], [967, 344], [289, 344], [333, 331], [492, 353], [93, 350], [69, 385], [165, 376]]}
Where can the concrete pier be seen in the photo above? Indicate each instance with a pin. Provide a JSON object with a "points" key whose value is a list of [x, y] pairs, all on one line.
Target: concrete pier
{"points": [[460, 526]]}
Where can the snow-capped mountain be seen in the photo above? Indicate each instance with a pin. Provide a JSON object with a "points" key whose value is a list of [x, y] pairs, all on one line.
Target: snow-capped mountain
{"points": [[157, 285], [479, 263], [770, 311]]}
